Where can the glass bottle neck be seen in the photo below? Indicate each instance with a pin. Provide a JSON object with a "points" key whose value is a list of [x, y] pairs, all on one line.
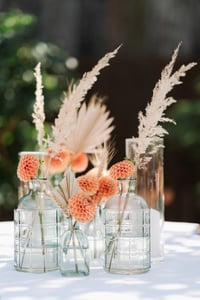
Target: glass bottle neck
{"points": [[39, 192], [39, 196], [126, 185], [39, 185]]}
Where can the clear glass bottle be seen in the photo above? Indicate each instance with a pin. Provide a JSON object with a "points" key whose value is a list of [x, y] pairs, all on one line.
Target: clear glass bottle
{"points": [[127, 231], [150, 186], [37, 230], [94, 231], [73, 253]]}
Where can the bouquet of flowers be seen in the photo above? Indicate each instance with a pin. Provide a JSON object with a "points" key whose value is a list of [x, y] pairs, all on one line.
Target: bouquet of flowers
{"points": [[79, 132]]}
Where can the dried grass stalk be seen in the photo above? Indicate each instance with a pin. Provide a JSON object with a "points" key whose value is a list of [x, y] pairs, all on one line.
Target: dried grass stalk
{"points": [[38, 108], [150, 126]]}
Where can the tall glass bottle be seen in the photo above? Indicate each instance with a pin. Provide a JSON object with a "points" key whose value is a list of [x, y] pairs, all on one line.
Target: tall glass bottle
{"points": [[150, 186], [127, 231], [37, 226]]}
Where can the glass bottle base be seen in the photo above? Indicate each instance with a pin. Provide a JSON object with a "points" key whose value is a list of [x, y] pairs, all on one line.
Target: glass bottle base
{"points": [[126, 272]]}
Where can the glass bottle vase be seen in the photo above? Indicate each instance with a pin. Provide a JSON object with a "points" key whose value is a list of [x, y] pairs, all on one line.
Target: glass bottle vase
{"points": [[94, 231], [127, 231], [150, 186], [73, 253], [37, 230]]}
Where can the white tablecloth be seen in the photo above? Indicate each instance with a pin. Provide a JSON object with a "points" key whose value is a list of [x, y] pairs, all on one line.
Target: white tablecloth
{"points": [[176, 278]]}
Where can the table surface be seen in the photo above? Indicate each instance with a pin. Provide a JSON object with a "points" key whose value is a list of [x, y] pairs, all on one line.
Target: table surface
{"points": [[177, 277]]}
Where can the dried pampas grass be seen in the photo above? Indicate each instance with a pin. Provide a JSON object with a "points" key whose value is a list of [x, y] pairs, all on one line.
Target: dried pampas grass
{"points": [[101, 158], [92, 127], [66, 189], [67, 117], [150, 126]]}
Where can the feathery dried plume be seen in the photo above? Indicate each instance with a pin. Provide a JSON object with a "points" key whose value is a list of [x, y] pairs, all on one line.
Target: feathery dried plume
{"points": [[66, 189], [101, 158], [93, 127], [149, 123], [38, 108], [72, 101]]}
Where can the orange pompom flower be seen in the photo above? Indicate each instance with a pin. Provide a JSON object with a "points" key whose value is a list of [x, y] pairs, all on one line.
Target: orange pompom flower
{"points": [[81, 207], [88, 183], [28, 167], [79, 162], [122, 169], [58, 162], [96, 200], [107, 187]]}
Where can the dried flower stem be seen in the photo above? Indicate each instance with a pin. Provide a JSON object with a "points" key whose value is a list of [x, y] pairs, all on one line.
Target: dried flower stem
{"points": [[38, 108]]}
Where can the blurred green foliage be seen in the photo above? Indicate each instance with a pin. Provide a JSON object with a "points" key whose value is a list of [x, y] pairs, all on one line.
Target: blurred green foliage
{"points": [[19, 54], [184, 141], [186, 134]]}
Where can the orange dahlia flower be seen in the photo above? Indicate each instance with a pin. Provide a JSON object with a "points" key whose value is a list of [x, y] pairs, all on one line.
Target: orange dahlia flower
{"points": [[107, 187], [122, 169], [96, 199], [28, 167], [79, 162], [81, 207], [58, 162], [88, 183]]}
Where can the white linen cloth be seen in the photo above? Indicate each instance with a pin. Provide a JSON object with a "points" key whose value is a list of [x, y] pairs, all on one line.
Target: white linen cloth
{"points": [[177, 277]]}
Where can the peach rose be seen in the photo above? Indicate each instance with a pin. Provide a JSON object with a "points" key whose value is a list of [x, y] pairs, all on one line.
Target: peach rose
{"points": [[59, 162], [79, 162]]}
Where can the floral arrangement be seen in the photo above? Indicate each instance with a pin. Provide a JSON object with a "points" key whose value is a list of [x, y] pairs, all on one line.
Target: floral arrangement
{"points": [[80, 134]]}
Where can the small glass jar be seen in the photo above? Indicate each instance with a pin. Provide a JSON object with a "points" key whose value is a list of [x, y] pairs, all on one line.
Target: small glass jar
{"points": [[127, 231], [37, 230], [73, 252]]}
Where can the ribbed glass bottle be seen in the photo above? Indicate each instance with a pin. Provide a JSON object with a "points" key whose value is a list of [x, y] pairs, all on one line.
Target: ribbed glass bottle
{"points": [[37, 230], [150, 186], [127, 231]]}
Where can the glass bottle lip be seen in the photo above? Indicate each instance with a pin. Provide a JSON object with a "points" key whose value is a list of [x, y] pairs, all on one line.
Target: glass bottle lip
{"points": [[39, 179], [36, 153], [128, 178]]}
